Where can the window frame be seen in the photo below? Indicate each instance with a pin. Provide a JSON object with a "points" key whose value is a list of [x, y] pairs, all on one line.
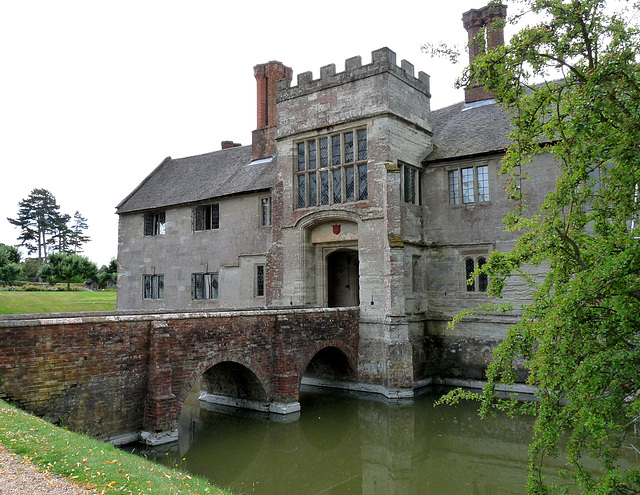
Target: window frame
{"points": [[480, 283], [331, 169], [212, 287], [411, 175], [260, 280], [155, 290], [469, 190], [209, 220], [266, 217], [154, 223]]}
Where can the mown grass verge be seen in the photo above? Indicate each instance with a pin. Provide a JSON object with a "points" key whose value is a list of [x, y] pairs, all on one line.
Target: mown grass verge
{"points": [[91, 463], [24, 302]]}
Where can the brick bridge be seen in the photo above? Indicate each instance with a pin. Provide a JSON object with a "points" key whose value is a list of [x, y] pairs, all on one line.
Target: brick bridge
{"points": [[115, 375]]}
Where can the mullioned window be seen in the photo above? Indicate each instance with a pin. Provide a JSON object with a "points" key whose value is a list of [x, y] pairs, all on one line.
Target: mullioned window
{"points": [[332, 169], [468, 185]]}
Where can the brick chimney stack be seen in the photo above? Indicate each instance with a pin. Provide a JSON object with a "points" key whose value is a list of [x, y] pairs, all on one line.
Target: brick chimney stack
{"points": [[267, 77], [475, 21], [225, 145]]}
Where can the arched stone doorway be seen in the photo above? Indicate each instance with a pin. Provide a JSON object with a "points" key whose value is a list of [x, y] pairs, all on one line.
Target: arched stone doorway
{"points": [[329, 254], [343, 281]]}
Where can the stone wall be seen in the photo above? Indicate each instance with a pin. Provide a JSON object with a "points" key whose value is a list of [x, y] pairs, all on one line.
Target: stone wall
{"points": [[457, 232], [393, 105], [232, 251]]}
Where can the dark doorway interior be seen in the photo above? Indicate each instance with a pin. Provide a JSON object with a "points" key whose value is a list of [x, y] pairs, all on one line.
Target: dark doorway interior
{"points": [[343, 287]]}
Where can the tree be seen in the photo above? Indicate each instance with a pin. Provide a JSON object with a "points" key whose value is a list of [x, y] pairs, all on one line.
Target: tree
{"points": [[77, 237], [60, 239], [107, 273], [44, 229], [37, 218], [30, 269], [63, 267], [9, 264], [572, 85]]}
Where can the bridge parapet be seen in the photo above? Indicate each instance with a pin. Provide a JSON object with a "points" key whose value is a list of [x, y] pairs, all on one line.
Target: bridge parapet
{"points": [[114, 375]]}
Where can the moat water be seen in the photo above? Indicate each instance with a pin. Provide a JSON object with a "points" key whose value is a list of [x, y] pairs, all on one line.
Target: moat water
{"points": [[345, 444]]}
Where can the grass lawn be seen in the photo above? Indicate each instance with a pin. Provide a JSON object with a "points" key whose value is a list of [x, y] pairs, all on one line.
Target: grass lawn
{"points": [[24, 302], [91, 463]]}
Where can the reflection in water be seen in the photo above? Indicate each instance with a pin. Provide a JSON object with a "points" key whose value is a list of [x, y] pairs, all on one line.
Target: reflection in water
{"points": [[342, 444]]}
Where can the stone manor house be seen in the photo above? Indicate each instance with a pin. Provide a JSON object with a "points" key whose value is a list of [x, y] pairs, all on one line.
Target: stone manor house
{"points": [[352, 193]]}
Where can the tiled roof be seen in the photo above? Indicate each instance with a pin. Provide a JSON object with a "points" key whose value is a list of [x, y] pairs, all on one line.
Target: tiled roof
{"points": [[475, 130], [198, 178]]}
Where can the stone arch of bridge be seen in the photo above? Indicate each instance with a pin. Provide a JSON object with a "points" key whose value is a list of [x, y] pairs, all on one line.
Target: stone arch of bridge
{"points": [[319, 235], [332, 360], [244, 368]]}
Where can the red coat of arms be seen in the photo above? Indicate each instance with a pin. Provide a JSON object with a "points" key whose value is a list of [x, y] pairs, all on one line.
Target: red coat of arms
{"points": [[336, 229]]}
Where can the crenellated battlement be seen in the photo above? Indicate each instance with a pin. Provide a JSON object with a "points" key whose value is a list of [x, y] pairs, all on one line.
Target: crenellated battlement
{"points": [[382, 60]]}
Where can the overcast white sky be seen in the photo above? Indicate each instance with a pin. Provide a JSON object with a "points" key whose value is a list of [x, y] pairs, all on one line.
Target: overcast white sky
{"points": [[94, 94]]}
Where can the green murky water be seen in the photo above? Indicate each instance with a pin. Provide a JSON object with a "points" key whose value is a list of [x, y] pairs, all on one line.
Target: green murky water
{"points": [[342, 444]]}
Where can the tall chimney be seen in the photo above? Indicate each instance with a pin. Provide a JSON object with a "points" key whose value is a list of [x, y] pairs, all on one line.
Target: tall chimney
{"points": [[484, 34], [267, 77]]}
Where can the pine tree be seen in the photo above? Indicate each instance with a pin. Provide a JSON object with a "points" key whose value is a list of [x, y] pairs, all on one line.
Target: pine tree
{"points": [[38, 216], [77, 237]]}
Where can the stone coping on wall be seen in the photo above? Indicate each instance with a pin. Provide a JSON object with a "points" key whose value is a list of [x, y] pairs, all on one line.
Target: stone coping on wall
{"points": [[114, 316]]}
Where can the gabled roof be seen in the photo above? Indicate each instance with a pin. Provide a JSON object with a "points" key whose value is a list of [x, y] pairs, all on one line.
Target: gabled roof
{"points": [[460, 131], [198, 178]]}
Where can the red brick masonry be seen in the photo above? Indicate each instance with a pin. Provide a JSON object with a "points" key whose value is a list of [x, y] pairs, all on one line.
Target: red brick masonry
{"points": [[116, 374]]}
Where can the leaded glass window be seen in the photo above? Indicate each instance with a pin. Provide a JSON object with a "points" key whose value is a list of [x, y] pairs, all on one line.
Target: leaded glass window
{"points": [[483, 280], [340, 178], [312, 155], [362, 182], [259, 280], [301, 160], [411, 184], [483, 183], [336, 151], [324, 188], [349, 184], [469, 267], [204, 286], [206, 217], [324, 152], [467, 185], [348, 147], [302, 200], [471, 184], [153, 287], [337, 186], [313, 189], [362, 144], [454, 188], [154, 223], [265, 210]]}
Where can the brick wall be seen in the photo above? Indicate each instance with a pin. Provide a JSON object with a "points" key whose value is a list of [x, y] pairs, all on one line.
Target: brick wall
{"points": [[118, 374]]}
